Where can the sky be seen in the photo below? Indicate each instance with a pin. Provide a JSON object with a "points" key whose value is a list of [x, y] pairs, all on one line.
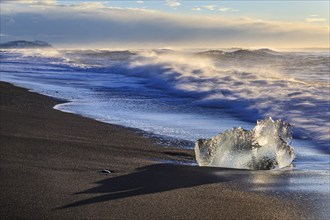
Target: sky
{"points": [[168, 23]]}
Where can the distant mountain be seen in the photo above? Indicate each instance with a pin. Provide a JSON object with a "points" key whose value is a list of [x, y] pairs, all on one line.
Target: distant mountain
{"points": [[22, 44], [252, 53], [240, 54], [211, 53]]}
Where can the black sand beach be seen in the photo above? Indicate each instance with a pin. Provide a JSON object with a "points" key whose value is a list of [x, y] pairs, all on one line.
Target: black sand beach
{"points": [[51, 162]]}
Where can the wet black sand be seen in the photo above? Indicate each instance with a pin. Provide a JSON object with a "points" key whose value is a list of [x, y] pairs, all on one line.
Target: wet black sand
{"points": [[51, 162]]}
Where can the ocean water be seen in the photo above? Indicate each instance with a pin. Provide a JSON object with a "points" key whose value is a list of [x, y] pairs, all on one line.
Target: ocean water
{"points": [[187, 94]]}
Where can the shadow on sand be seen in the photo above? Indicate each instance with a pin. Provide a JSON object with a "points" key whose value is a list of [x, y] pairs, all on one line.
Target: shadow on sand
{"points": [[156, 178]]}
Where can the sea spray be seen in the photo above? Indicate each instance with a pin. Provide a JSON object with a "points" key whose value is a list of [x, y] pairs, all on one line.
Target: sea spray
{"points": [[266, 146], [186, 94]]}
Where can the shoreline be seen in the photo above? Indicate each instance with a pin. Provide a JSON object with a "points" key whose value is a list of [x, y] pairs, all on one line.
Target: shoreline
{"points": [[160, 140], [51, 163]]}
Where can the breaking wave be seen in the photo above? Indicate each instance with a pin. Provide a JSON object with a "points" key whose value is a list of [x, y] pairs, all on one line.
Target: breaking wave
{"points": [[249, 84]]}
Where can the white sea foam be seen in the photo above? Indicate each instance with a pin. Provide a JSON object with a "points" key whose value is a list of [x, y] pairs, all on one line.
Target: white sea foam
{"points": [[250, 84], [247, 84]]}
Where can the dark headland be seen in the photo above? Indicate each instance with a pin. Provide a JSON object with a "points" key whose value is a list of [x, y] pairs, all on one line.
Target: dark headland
{"points": [[51, 162], [23, 44]]}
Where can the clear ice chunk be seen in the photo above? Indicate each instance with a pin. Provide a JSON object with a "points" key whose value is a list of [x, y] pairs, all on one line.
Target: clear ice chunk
{"points": [[266, 146]]}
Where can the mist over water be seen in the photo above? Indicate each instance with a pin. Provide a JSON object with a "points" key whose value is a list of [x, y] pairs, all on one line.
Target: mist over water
{"points": [[252, 85], [185, 94]]}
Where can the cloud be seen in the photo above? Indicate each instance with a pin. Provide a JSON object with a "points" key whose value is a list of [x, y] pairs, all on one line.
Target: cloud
{"points": [[140, 2], [94, 5], [210, 7], [173, 3], [224, 9], [196, 9], [3, 35], [314, 18], [215, 7], [35, 2], [103, 26]]}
